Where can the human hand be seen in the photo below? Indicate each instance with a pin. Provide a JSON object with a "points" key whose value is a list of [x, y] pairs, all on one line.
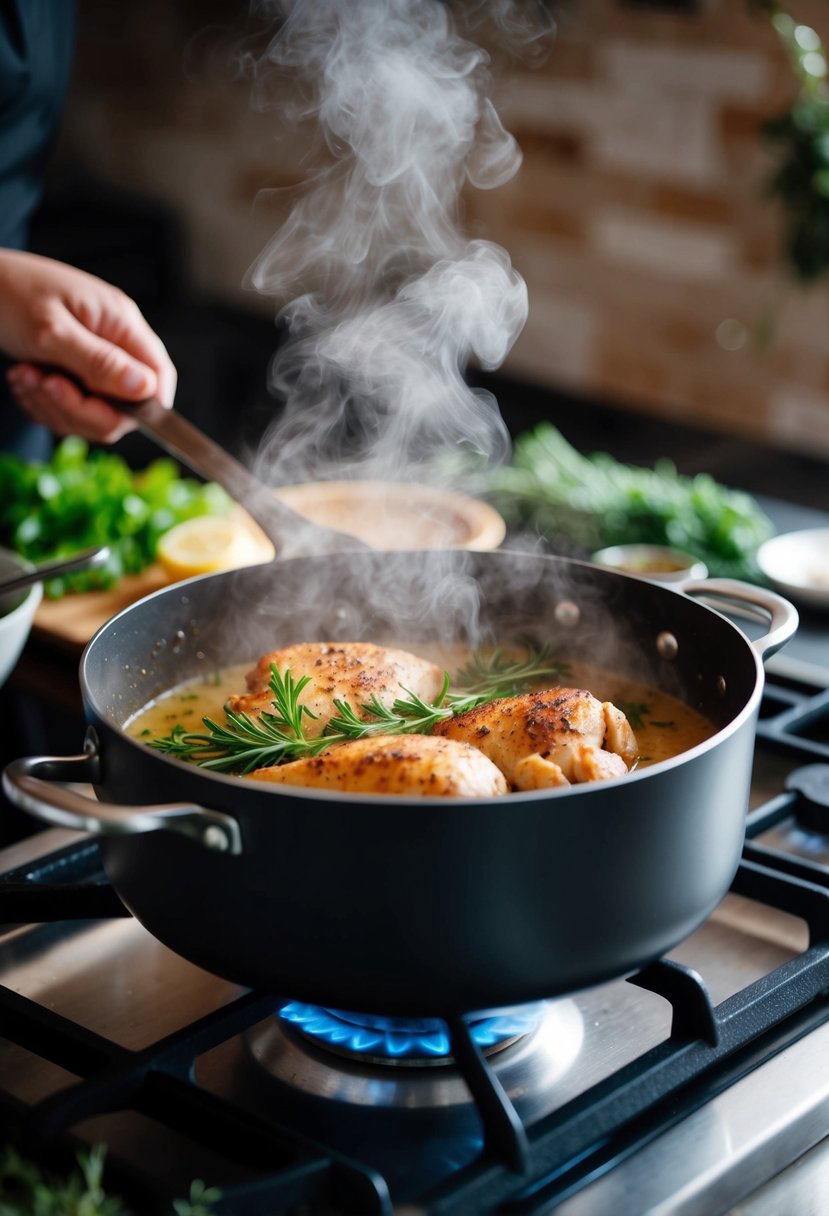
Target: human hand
{"points": [[54, 315]]}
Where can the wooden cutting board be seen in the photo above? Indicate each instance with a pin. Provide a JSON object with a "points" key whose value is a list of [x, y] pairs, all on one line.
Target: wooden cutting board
{"points": [[384, 516], [70, 622]]}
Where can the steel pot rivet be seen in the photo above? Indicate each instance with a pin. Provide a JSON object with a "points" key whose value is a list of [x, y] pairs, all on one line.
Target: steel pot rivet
{"points": [[567, 613], [667, 647], [722, 686], [214, 838]]}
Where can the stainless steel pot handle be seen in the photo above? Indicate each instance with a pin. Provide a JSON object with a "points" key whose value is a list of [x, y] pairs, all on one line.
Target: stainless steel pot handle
{"points": [[28, 783], [755, 602]]}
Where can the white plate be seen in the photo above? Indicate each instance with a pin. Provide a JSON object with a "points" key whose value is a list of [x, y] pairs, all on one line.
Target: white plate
{"points": [[798, 565]]}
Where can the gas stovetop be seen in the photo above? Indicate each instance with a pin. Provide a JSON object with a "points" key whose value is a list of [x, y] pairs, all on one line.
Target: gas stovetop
{"points": [[681, 1089]]}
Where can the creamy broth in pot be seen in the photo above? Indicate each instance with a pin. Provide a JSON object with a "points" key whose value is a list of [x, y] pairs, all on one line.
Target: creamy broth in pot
{"points": [[663, 725]]}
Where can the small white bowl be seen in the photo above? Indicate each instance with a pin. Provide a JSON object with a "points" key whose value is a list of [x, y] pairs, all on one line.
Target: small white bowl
{"points": [[657, 563], [797, 563], [17, 610]]}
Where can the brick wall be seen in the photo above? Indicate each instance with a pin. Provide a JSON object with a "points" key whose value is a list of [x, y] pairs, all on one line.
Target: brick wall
{"points": [[638, 217]]}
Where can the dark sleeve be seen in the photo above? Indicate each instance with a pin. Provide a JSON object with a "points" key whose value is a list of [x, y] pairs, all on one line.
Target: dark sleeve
{"points": [[36, 44]]}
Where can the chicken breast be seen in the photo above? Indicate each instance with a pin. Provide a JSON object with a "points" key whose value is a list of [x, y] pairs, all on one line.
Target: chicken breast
{"points": [[555, 737], [422, 766], [343, 671]]}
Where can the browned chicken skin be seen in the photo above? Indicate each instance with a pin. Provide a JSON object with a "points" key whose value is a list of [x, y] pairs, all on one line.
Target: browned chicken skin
{"points": [[422, 766], [343, 671], [559, 736]]}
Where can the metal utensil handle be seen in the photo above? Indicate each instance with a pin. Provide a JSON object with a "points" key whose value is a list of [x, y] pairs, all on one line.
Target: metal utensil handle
{"points": [[756, 603], [87, 559], [29, 784], [199, 452]]}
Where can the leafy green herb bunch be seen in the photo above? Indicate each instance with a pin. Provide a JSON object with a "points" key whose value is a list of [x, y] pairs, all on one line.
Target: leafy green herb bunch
{"points": [[801, 139], [83, 497]]}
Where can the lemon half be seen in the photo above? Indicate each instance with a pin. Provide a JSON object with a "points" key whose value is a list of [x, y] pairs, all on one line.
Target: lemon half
{"points": [[209, 543]]}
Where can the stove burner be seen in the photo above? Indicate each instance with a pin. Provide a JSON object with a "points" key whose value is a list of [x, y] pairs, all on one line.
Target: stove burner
{"points": [[811, 810], [282, 1063], [406, 1041]]}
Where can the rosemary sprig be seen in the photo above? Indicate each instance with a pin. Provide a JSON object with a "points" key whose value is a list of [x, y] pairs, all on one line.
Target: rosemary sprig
{"points": [[497, 675], [409, 715], [244, 743]]}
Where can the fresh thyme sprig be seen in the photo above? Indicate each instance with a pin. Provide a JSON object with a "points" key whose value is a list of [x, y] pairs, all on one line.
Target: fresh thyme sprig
{"points": [[244, 743]]}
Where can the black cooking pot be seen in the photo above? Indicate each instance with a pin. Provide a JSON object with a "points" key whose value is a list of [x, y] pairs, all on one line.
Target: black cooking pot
{"points": [[415, 905]]}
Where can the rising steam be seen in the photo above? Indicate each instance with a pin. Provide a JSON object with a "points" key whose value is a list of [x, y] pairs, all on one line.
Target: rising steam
{"points": [[383, 298]]}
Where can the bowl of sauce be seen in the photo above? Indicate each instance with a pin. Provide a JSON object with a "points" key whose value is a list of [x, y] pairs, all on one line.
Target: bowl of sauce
{"points": [[657, 563]]}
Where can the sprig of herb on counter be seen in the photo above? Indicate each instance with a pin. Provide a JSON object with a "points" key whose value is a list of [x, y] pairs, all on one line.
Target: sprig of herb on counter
{"points": [[596, 501], [80, 498], [244, 743], [27, 1190]]}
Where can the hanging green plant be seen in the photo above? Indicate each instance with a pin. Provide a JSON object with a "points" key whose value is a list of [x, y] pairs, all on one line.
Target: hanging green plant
{"points": [[801, 136]]}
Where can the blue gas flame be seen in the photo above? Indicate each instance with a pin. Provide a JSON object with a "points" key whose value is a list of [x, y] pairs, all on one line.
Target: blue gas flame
{"points": [[403, 1038]]}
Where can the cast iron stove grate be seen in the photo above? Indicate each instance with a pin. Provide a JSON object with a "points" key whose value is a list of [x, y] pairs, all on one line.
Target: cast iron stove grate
{"points": [[521, 1170]]}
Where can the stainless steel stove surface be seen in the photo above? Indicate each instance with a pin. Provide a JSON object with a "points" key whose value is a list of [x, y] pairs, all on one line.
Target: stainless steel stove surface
{"points": [[680, 1090]]}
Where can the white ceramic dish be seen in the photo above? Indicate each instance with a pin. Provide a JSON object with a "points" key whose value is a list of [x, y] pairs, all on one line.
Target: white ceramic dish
{"points": [[797, 563], [17, 610]]}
